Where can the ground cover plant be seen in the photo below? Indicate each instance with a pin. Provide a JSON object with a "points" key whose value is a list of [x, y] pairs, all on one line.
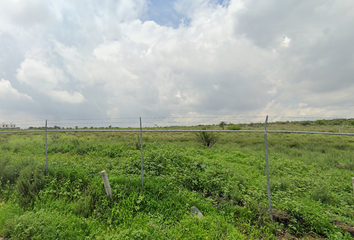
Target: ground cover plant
{"points": [[310, 176]]}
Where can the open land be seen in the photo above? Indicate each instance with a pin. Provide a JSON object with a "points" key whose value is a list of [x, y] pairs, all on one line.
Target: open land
{"points": [[310, 178]]}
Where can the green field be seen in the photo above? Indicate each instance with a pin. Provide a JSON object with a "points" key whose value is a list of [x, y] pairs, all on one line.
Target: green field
{"points": [[310, 175]]}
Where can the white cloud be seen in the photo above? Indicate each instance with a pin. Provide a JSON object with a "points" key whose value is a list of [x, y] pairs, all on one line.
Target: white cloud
{"points": [[46, 79], [27, 13], [7, 92], [286, 42], [110, 51], [282, 112], [38, 74], [64, 96]]}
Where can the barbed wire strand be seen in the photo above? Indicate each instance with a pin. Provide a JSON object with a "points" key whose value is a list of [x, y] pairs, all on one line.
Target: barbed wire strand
{"points": [[168, 117]]}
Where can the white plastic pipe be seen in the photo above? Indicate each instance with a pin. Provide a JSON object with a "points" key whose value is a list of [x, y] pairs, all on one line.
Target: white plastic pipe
{"points": [[106, 183]]}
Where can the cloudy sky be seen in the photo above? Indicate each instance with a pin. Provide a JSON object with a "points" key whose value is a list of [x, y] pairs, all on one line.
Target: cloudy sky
{"points": [[130, 58]]}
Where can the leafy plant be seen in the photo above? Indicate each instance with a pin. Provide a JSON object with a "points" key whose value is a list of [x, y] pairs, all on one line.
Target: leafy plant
{"points": [[29, 183], [208, 139]]}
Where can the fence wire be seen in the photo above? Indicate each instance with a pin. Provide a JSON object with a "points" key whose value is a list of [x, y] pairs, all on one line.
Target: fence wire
{"points": [[159, 121]]}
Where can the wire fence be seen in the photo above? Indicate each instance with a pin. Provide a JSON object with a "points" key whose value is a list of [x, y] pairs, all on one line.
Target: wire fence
{"points": [[158, 122], [225, 124]]}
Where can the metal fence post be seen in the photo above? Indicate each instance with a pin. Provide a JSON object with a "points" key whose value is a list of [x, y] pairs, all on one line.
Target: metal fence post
{"points": [[141, 152], [46, 149], [267, 166]]}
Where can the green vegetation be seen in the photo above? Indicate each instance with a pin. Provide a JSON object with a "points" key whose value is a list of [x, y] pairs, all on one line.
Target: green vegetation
{"points": [[310, 177], [207, 139], [222, 124]]}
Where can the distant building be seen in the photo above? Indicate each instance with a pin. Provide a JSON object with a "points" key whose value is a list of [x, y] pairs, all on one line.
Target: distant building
{"points": [[5, 126]]}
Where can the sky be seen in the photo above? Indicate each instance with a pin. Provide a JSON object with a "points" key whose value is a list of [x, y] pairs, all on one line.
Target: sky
{"points": [[129, 58]]}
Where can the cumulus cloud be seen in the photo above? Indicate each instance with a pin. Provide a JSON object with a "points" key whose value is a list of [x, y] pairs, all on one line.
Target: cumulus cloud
{"points": [[26, 13], [224, 58], [7, 92], [39, 75], [64, 96], [45, 79]]}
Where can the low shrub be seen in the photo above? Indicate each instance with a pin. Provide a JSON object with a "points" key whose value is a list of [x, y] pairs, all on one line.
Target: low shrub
{"points": [[29, 183], [208, 139], [233, 127], [10, 169], [44, 224]]}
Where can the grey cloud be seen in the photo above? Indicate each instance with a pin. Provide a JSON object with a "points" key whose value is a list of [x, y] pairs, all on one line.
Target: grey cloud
{"points": [[27, 13], [229, 60], [318, 65], [268, 21], [11, 56]]}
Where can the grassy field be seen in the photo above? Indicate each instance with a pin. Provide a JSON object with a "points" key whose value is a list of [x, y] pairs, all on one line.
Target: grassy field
{"points": [[312, 192]]}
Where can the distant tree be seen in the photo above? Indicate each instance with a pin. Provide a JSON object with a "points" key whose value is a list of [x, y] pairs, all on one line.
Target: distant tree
{"points": [[222, 124], [305, 123], [233, 127], [337, 121], [320, 122]]}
